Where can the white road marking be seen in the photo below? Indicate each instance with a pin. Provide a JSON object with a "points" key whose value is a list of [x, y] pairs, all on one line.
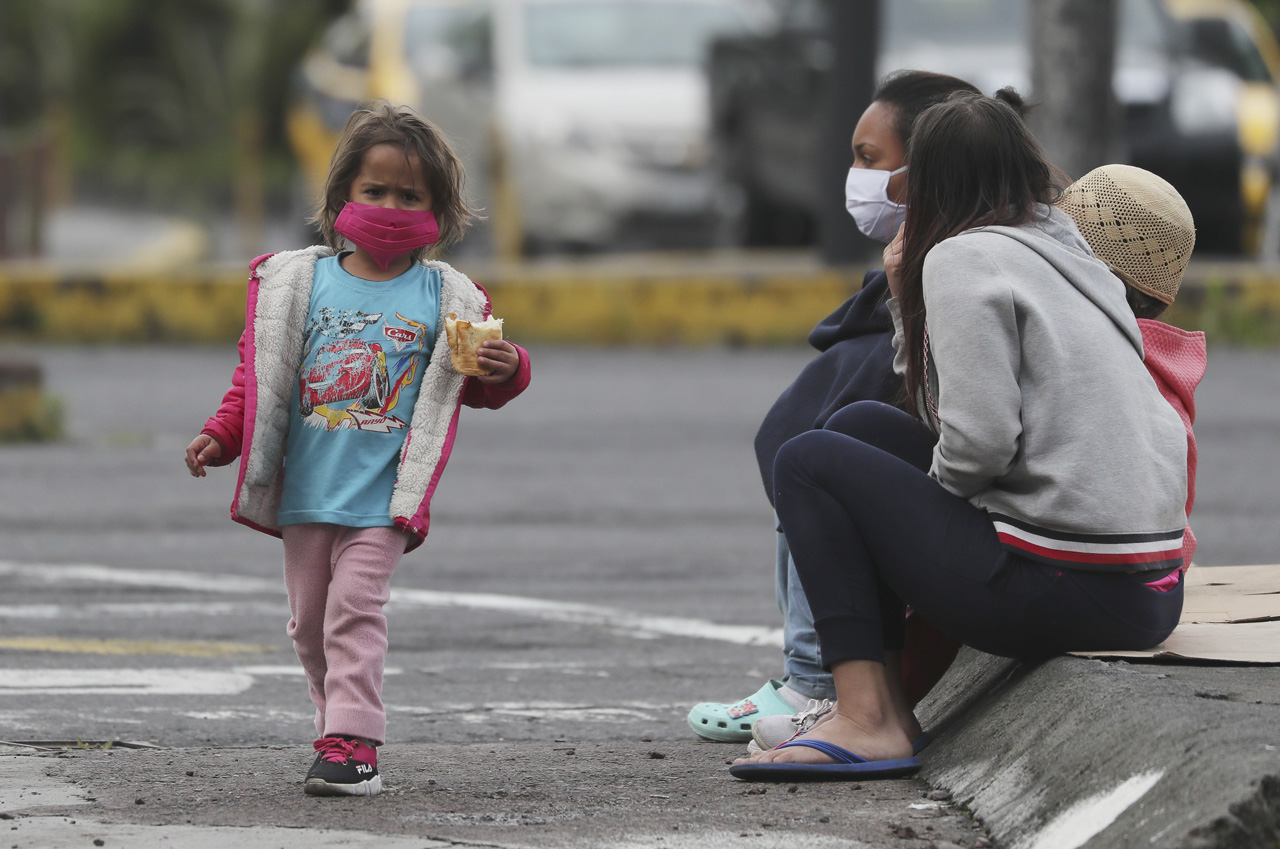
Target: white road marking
{"points": [[142, 609], [89, 573], [1082, 821], [149, 682], [638, 625], [480, 713], [295, 671], [627, 623], [242, 715]]}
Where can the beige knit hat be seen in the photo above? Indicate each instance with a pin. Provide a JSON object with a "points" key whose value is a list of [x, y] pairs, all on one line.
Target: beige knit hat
{"points": [[1136, 223]]}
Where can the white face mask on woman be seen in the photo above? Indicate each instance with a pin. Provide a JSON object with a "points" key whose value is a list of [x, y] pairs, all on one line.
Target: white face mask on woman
{"points": [[866, 196]]}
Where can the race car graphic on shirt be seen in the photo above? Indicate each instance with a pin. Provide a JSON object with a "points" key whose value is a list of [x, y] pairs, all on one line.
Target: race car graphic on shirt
{"points": [[356, 372], [346, 370]]}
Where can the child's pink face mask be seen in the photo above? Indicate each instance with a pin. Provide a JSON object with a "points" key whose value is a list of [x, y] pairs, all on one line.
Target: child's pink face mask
{"points": [[386, 234]]}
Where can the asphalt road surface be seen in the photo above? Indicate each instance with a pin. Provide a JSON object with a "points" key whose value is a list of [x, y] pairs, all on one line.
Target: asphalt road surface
{"points": [[600, 558]]}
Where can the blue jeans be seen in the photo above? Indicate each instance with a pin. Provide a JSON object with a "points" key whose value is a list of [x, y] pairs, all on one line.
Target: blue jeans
{"points": [[801, 657]]}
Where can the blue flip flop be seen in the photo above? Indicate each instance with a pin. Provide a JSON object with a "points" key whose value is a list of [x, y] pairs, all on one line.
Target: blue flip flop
{"points": [[922, 742], [847, 766]]}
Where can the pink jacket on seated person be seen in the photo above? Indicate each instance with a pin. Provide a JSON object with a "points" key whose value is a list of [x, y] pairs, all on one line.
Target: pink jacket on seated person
{"points": [[1177, 359]]}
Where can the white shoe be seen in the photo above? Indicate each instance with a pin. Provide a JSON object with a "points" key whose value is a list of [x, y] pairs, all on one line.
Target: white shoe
{"points": [[769, 732]]}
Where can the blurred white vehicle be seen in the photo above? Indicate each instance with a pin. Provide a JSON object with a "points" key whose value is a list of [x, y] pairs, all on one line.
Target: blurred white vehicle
{"points": [[1198, 105], [583, 123]]}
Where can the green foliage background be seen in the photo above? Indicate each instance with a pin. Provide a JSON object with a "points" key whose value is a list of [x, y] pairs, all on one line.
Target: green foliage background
{"points": [[174, 103], [167, 102]]}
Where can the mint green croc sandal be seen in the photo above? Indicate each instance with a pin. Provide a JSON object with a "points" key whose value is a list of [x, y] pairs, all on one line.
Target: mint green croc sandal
{"points": [[732, 723]]}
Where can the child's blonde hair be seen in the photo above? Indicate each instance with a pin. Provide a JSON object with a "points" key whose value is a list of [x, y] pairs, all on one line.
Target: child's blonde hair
{"points": [[381, 122]]}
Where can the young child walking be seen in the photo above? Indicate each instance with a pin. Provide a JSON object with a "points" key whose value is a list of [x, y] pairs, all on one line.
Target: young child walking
{"points": [[344, 408]]}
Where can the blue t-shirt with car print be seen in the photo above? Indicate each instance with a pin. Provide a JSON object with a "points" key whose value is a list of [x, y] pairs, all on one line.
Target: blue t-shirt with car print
{"points": [[365, 347]]}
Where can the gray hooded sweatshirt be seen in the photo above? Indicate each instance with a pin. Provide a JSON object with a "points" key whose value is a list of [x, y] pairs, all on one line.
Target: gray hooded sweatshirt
{"points": [[1046, 416]]}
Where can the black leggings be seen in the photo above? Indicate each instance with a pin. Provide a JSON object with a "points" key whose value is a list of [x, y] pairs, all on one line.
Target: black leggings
{"points": [[871, 532]]}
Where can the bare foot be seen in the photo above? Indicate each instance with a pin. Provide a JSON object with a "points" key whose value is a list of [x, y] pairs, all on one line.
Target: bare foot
{"points": [[909, 724], [885, 742]]}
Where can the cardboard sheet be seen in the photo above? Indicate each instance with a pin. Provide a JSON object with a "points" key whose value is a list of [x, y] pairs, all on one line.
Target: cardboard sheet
{"points": [[1241, 642], [1230, 614], [1231, 594]]}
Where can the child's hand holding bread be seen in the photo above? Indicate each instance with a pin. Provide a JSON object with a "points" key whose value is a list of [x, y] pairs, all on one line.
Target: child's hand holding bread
{"points": [[478, 350]]}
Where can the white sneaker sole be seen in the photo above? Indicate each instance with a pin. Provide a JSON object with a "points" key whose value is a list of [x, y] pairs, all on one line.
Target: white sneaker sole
{"points": [[320, 787]]}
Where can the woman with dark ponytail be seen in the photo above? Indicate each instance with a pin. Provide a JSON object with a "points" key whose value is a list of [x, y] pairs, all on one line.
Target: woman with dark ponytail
{"points": [[958, 195], [1030, 500], [854, 363]]}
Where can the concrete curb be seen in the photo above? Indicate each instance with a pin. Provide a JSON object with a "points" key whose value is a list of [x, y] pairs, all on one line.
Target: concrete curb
{"points": [[693, 300], [1082, 753]]}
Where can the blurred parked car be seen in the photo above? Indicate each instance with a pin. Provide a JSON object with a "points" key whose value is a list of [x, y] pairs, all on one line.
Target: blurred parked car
{"points": [[1179, 112], [1231, 35], [581, 122]]}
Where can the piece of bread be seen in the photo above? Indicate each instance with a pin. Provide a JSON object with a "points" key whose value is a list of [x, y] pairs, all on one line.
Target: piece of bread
{"points": [[465, 337]]}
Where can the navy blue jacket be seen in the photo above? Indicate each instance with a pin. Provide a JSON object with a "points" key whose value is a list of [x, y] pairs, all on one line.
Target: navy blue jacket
{"points": [[855, 364]]}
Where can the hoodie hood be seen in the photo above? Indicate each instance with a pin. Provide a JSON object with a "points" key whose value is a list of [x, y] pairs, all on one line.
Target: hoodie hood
{"points": [[855, 363], [1054, 236], [865, 313]]}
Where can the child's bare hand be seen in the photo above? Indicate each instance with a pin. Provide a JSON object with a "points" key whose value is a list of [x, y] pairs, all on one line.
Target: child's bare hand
{"points": [[500, 357], [202, 450]]}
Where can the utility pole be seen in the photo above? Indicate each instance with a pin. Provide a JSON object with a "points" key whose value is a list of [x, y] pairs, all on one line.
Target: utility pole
{"points": [[854, 26], [1076, 119]]}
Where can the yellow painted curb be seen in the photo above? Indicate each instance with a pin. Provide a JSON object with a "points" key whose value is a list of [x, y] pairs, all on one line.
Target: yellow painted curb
{"points": [[632, 302], [684, 311], [592, 307], [122, 304]]}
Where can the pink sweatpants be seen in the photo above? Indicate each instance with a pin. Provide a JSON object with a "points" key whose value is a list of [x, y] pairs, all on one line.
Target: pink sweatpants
{"points": [[338, 579]]}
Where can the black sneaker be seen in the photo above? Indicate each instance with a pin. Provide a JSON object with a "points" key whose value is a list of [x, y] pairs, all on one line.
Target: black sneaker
{"points": [[343, 768]]}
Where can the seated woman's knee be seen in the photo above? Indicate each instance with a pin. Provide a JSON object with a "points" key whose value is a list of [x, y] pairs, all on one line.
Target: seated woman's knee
{"points": [[887, 428], [861, 418], [800, 454]]}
